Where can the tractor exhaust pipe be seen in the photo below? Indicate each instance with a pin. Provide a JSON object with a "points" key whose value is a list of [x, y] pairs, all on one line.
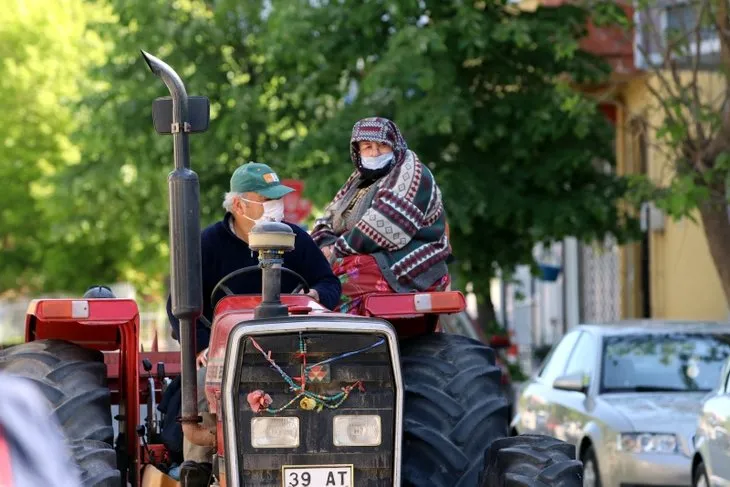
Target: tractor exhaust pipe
{"points": [[185, 261], [271, 240]]}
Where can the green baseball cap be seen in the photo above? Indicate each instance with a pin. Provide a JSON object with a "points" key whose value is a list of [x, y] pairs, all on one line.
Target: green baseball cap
{"points": [[258, 178]]}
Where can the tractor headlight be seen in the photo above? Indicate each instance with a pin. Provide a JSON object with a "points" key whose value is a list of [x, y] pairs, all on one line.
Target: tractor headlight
{"points": [[282, 432], [359, 430]]}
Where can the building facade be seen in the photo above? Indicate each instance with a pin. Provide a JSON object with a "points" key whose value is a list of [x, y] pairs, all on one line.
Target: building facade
{"points": [[669, 273]]}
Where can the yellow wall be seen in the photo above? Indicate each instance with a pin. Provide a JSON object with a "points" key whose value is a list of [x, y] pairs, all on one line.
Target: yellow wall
{"points": [[684, 282]]}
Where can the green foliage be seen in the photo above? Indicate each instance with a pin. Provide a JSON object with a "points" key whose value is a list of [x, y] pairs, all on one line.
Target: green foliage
{"points": [[480, 94], [480, 90], [44, 52], [693, 133], [115, 203]]}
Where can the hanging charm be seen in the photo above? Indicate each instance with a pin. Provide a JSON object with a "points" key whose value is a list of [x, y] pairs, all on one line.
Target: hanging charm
{"points": [[318, 373], [258, 400], [307, 403]]}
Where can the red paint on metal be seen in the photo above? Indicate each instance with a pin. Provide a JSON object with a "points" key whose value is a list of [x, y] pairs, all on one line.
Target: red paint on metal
{"points": [[404, 305], [170, 359], [172, 369], [112, 324]]}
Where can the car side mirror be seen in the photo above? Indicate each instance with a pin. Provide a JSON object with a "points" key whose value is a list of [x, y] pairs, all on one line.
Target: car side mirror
{"points": [[572, 382]]}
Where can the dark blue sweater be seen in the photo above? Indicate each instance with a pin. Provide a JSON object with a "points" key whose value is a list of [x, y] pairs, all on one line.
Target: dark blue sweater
{"points": [[222, 253]]}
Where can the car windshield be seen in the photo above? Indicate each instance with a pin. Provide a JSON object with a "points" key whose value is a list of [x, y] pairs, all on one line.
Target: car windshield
{"points": [[681, 362]]}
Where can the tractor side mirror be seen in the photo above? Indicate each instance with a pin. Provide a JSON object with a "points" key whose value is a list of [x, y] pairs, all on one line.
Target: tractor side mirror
{"points": [[198, 113]]}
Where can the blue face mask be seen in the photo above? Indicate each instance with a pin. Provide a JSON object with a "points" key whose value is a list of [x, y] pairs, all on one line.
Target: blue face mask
{"points": [[378, 162]]}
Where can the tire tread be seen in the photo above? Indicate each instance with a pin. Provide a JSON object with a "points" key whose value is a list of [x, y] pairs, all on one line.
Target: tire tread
{"points": [[531, 461], [73, 380], [454, 408]]}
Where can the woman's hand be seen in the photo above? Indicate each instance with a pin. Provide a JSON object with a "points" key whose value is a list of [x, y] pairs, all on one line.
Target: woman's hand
{"points": [[312, 294], [202, 359], [327, 251]]}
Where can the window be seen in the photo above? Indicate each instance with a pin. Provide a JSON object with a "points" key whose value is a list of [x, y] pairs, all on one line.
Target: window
{"points": [[555, 362], [678, 362], [676, 20], [583, 358]]}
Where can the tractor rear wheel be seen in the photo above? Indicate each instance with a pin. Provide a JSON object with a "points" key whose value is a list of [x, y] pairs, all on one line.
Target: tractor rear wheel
{"points": [[532, 461], [454, 409], [73, 379]]}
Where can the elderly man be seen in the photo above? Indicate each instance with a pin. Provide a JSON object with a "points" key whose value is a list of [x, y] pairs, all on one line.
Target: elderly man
{"points": [[255, 194]]}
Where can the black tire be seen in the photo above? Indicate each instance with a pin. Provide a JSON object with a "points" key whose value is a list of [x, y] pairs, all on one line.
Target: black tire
{"points": [[531, 461], [73, 379], [590, 462], [454, 408], [699, 475]]}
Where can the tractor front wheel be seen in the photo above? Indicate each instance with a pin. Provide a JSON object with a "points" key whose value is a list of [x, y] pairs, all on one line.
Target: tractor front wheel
{"points": [[531, 461], [73, 380], [454, 409]]}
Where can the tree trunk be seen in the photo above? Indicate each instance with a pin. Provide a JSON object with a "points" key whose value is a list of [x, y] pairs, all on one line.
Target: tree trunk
{"points": [[487, 317], [717, 230]]}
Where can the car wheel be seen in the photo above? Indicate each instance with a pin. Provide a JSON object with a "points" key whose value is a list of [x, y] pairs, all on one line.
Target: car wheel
{"points": [[590, 469], [699, 479]]}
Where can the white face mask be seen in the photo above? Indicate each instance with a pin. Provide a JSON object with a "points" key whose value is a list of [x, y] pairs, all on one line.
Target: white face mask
{"points": [[273, 210], [377, 162]]}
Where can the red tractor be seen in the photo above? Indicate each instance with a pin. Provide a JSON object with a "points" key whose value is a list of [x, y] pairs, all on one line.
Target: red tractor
{"points": [[301, 396]]}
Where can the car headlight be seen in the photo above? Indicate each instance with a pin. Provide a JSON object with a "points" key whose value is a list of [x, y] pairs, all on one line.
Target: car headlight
{"points": [[280, 432], [360, 430], [647, 442]]}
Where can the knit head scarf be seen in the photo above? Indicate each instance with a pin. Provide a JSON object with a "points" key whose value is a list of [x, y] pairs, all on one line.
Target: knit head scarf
{"points": [[382, 131]]}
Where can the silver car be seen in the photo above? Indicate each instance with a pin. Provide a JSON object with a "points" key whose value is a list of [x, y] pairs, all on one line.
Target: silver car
{"points": [[711, 462], [627, 395]]}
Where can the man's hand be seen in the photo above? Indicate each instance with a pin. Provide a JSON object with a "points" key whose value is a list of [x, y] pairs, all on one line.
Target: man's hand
{"points": [[202, 359]]}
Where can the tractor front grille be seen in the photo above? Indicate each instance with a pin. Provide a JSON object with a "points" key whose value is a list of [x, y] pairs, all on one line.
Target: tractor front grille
{"points": [[373, 466]]}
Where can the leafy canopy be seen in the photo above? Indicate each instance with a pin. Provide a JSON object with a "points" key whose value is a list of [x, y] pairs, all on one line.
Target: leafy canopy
{"points": [[45, 49], [481, 91]]}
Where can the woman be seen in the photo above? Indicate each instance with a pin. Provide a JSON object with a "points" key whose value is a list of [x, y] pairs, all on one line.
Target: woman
{"points": [[385, 229]]}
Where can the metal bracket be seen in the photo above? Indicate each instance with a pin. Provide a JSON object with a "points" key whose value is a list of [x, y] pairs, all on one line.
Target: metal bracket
{"points": [[176, 127]]}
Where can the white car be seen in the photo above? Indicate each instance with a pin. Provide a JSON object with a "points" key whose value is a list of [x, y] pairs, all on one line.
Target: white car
{"points": [[628, 396], [711, 462]]}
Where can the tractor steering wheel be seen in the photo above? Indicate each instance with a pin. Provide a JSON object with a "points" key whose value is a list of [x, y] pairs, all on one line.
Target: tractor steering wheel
{"points": [[303, 284]]}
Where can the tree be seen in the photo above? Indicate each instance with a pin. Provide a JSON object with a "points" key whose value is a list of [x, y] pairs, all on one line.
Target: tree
{"points": [[115, 205], [688, 65], [45, 50], [482, 93]]}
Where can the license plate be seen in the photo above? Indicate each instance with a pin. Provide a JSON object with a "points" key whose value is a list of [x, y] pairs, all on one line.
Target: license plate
{"points": [[317, 476]]}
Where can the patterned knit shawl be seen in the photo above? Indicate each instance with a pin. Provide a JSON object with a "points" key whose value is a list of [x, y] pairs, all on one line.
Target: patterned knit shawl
{"points": [[404, 225]]}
